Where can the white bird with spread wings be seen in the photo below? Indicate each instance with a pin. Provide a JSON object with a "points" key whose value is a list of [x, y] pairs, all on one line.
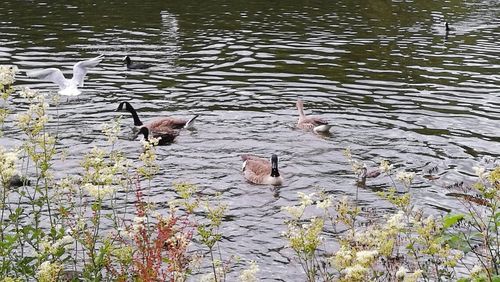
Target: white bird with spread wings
{"points": [[67, 87]]}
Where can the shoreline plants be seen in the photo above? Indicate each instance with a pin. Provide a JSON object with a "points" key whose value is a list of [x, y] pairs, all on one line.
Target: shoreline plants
{"points": [[101, 223]]}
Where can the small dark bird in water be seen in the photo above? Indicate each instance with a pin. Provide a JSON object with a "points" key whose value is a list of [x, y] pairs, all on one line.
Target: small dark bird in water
{"points": [[131, 65], [447, 26], [166, 135], [19, 181]]}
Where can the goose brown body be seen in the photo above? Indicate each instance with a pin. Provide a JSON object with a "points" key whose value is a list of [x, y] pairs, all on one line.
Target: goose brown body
{"points": [[157, 124], [258, 170], [311, 123], [166, 135]]}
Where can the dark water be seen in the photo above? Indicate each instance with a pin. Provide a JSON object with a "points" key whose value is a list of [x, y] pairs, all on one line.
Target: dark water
{"points": [[386, 74]]}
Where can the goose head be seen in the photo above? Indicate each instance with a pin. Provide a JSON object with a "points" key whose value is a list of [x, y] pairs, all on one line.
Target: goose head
{"points": [[447, 26], [274, 166], [130, 109], [144, 131], [127, 60], [127, 105]]}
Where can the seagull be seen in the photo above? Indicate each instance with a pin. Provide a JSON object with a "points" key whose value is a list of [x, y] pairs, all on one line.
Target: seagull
{"points": [[67, 87]]}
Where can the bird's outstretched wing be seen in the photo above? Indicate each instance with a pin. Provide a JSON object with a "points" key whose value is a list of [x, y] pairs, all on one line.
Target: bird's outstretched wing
{"points": [[50, 74], [80, 69]]}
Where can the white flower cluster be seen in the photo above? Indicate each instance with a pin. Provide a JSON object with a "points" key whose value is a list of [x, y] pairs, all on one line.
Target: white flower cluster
{"points": [[99, 191], [386, 167], [395, 221], [111, 130], [406, 177], [249, 275], [8, 161], [49, 247], [366, 257], [48, 271], [8, 74], [305, 199], [139, 223], [29, 93], [480, 171], [325, 203]]}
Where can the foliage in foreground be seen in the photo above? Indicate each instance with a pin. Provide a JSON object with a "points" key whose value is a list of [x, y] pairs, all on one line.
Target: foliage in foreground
{"points": [[82, 227], [98, 224], [405, 245]]}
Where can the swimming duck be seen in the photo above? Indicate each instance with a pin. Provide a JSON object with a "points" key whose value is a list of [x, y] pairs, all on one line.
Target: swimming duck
{"points": [[131, 65], [67, 87], [316, 124], [261, 171]]}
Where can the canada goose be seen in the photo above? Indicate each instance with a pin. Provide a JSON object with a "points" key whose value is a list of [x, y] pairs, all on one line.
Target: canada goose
{"points": [[157, 123], [261, 171], [131, 65], [365, 173], [447, 27], [315, 124], [166, 135], [67, 87]]}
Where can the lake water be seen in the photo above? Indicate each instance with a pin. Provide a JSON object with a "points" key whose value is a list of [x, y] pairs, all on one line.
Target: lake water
{"points": [[394, 84]]}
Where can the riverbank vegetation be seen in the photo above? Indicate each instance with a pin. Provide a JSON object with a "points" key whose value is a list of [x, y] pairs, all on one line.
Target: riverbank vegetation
{"points": [[103, 225]]}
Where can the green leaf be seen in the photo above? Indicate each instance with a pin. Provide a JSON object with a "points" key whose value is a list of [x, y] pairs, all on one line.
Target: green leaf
{"points": [[452, 219], [456, 241]]}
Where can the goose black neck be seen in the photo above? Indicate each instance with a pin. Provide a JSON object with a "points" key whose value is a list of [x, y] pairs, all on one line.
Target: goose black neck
{"points": [[128, 61], [137, 121], [274, 166], [145, 132], [363, 174]]}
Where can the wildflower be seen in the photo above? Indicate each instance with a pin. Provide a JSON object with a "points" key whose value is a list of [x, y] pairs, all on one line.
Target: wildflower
{"points": [[48, 272], [480, 171], [28, 93], [395, 221], [324, 204], [342, 258], [476, 271], [366, 258], [385, 166], [10, 279], [124, 254], [295, 211], [63, 242], [7, 165], [413, 277], [306, 200], [400, 274], [405, 177], [357, 167], [138, 225], [8, 74], [111, 130], [355, 273], [98, 192], [248, 275]]}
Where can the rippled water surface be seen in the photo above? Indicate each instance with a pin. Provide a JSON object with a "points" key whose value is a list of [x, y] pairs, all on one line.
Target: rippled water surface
{"points": [[395, 85]]}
